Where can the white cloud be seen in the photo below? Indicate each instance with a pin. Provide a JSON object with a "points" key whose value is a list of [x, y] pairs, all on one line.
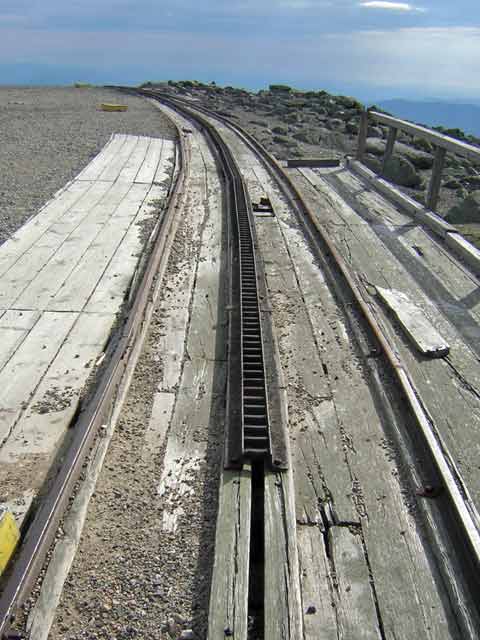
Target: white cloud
{"points": [[392, 6]]}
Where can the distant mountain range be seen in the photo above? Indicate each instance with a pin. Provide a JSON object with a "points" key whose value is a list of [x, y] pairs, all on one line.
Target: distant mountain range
{"points": [[446, 114]]}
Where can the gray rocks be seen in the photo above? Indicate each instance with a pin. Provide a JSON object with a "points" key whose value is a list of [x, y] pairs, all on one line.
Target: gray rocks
{"points": [[282, 131], [335, 123], [284, 141], [402, 172], [309, 136], [375, 146], [467, 211], [420, 159], [451, 183], [351, 127], [374, 132]]}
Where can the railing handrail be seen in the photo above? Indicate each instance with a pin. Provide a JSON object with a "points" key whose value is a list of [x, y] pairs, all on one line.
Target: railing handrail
{"points": [[438, 139], [441, 142]]}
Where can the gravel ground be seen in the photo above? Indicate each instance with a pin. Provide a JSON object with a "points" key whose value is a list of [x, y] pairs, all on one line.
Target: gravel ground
{"points": [[49, 134]]}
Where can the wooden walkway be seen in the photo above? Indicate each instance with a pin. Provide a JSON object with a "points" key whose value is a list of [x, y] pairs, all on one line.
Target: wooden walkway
{"points": [[64, 277], [346, 556], [388, 249]]}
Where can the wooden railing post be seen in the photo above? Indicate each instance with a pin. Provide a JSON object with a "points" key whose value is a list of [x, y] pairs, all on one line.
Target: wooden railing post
{"points": [[392, 136], [436, 179], [362, 135]]}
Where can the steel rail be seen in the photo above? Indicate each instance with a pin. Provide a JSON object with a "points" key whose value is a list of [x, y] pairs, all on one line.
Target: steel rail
{"points": [[249, 434], [36, 542], [457, 539]]}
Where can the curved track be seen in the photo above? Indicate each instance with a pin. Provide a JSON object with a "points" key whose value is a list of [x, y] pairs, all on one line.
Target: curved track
{"points": [[254, 431], [453, 524]]}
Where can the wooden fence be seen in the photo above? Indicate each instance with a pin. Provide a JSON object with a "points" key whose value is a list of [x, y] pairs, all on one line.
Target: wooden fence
{"points": [[441, 143]]}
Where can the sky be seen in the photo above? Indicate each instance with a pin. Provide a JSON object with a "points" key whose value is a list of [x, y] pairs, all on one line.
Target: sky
{"points": [[372, 49]]}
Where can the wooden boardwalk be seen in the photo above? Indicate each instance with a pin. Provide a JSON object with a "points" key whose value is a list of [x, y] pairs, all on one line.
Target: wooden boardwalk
{"points": [[350, 558], [64, 278], [386, 248]]}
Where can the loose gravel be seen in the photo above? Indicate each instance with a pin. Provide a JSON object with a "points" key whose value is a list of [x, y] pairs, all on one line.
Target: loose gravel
{"points": [[48, 135]]}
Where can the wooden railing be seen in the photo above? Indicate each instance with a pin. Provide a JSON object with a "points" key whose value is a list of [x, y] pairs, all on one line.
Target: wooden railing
{"points": [[441, 143]]}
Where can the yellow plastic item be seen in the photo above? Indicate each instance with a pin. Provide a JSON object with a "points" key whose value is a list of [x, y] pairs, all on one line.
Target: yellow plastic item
{"points": [[113, 107], [9, 537]]}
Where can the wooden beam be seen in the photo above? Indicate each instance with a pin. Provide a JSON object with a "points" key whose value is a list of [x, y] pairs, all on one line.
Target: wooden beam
{"points": [[392, 136], [229, 592], [362, 135], [438, 139], [436, 179], [414, 323]]}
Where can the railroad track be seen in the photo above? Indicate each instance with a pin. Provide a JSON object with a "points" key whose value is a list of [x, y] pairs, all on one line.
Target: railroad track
{"points": [[255, 433], [454, 527]]}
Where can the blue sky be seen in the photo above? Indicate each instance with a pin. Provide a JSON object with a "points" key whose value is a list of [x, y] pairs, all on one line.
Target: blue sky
{"points": [[368, 48]]}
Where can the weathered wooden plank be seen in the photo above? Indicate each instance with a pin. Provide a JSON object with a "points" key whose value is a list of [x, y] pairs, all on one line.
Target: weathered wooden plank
{"points": [[313, 162], [49, 229], [228, 614], [112, 170], [135, 161], [160, 417], [317, 451], [356, 614], [14, 327], [54, 402], [414, 322], [150, 164], [438, 382], [95, 168], [282, 602], [164, 168], [465, 249], [318, 590], [387, 521], [392, 136], [46, 283], [115, 282], [25, 369], [436, 179], [362, 135], [86, 275]]}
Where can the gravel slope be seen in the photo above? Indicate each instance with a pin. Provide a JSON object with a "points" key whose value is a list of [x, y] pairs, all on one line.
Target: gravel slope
{"points": [[49, 134]]}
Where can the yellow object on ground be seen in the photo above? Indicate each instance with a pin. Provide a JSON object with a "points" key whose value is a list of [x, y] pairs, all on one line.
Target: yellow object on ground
{"points": [[9, 537], [113, 107]]}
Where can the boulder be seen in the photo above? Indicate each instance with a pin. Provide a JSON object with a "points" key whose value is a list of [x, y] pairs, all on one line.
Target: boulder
{"points": [[401, 171], [284, 141], [282, 131], [451, 183], [335, 123], [309, 136], [372, 163], [375, 146], [374, 132], [473, 182], [467, 211], [351, 127], [419, 159], [422, 145]]}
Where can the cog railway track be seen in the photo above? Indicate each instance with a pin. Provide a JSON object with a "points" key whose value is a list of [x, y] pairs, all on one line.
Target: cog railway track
{"points": [[256, 432]]}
